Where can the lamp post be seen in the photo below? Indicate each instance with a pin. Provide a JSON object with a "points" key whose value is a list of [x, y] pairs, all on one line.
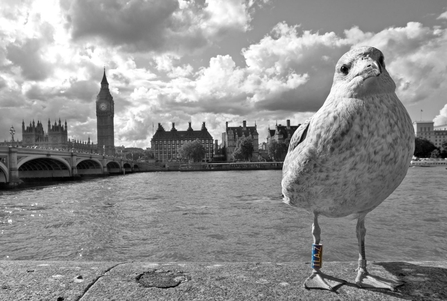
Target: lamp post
{"points": [[12, 131]]}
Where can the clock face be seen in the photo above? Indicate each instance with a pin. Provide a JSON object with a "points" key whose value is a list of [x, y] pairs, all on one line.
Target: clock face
{"points": [[103, 106]]}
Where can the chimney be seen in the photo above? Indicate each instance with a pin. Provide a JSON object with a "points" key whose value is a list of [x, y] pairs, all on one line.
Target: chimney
{"points": [[173, 127], [226, 125], [288, 123], [203, 126], [244, 124]]}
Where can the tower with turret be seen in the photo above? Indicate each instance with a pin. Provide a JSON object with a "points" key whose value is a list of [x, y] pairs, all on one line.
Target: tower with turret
{"points": [[33, 135], [57, 134], [105, 110]]}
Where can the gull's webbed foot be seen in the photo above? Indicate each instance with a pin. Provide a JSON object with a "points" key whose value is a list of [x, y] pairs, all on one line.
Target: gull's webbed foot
{"points": [[319, 280], [366, 280]]}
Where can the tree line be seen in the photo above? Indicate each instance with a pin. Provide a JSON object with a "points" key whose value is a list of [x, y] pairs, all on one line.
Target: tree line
{"points": [[194, 151], [425, 149]]}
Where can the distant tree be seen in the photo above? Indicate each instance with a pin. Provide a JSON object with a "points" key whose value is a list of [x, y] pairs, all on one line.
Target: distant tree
{"points": [[148, 154], [423, 148], [443, 153], [237, 154], [276, 150], [244, 149], [133, 156], [444, 145], [194, 151], [435, 154]]}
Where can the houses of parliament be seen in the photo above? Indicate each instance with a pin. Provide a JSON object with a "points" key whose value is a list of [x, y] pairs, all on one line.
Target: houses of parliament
{"points": [[56, 137]]}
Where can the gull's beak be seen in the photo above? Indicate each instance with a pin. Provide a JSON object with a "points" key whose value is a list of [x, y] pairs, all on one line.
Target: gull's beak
{"points": [[368, 67], [376, 66]]}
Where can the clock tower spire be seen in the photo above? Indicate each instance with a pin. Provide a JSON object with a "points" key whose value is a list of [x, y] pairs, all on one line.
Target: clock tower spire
{"points": [[104, 118], [104, 82]]}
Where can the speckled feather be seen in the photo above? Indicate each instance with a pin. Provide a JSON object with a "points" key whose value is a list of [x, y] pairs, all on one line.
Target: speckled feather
{"points": [[356, 150]]}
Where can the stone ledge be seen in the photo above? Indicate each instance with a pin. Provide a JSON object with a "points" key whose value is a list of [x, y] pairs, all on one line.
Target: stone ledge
{"points": [[88, 281]]}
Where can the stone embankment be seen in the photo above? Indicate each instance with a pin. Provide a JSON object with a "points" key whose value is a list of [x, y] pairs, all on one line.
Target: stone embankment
{"points": [[82, 281]]}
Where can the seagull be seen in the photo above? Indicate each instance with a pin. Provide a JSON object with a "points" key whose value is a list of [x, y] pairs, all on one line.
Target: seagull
{"points": [[350, 156]]}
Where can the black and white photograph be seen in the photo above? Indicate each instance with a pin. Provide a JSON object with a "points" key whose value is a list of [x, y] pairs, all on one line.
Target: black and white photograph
{"points": [[223, 150]]}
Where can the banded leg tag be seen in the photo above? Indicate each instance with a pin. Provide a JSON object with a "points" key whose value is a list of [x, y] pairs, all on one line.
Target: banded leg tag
{"points": [[317, 256]]}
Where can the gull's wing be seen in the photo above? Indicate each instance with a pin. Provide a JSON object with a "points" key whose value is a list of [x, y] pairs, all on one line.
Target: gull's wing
{"points": [[299, 135]]}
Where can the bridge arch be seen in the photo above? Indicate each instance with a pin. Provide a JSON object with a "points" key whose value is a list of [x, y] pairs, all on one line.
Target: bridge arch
{"points": [[113, 167], [4, 174], [127, 167], [89, 166], [87, 162], [43, 167]]}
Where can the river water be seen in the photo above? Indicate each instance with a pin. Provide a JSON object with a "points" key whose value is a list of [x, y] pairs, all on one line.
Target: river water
{"points": [[222, 216]]}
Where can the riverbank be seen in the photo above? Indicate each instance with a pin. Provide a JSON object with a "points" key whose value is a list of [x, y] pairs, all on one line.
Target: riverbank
{"points": [[427, 162], [88, 281], [150, 167], [176, 166]]}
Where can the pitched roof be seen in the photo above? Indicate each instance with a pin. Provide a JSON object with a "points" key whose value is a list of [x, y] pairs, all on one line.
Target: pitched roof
{"points": [[240, 131], [174, 134], [286, 132]]}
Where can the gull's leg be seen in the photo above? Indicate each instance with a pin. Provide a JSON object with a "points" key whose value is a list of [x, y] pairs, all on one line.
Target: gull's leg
{"points": [[364, 279], [319, 280]]}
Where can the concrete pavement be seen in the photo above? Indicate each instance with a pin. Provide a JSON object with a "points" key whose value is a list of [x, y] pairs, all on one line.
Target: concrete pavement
{"points": [[96, 281]]}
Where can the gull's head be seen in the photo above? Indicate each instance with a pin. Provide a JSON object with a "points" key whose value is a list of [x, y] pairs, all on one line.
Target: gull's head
{"points": [[361, 72]]}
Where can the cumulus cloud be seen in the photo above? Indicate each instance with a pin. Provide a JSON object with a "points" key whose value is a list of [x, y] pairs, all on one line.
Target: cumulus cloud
{"points": [[136, 23], [414, 56], [28, 56], [443, 15], [158, 26], [286, 71], [441, 118], [288, 74]]}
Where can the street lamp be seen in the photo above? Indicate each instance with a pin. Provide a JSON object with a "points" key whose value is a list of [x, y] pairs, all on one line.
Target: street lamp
{"points": [[12, 131]]}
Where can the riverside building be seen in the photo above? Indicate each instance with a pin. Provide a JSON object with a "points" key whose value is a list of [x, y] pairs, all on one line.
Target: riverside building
{"points": [[281, 133], [56, 137], [165, 144], [233, 133], [426, 130]]}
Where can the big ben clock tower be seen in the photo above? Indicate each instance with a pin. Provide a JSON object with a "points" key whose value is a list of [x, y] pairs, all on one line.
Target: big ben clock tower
{"points": [[104, 118]]}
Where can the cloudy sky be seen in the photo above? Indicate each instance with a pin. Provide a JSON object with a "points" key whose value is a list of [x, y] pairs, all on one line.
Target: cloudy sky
{"points": [[212, 61]]}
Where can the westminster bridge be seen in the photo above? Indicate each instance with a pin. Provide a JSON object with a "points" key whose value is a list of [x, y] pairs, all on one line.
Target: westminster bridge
{"points": [[17, 163]]}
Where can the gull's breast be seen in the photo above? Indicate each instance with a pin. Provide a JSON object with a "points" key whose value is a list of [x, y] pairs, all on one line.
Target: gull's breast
{"points": [[350, 162]]}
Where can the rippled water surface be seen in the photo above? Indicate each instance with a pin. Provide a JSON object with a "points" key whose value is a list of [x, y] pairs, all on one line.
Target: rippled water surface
{"points": [[212, 216]]}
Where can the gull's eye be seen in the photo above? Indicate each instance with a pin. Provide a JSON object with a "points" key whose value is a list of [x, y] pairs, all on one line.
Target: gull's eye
{"points": [[344, 69]]}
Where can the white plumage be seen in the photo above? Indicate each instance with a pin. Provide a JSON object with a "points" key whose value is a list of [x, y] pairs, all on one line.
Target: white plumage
{"points": [[352, 154]]}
